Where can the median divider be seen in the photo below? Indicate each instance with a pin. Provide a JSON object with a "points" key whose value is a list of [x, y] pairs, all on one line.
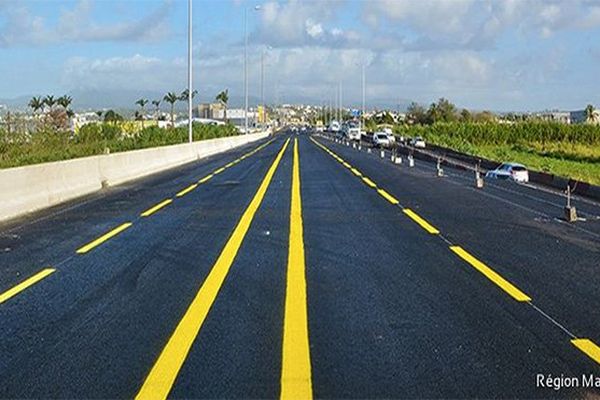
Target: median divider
{"points": [[34, 187]]}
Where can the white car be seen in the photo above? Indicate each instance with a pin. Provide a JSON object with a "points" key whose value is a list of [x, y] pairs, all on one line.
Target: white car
{"points": [[418, 142], [381, 139], [353, 133], [510, 171]]}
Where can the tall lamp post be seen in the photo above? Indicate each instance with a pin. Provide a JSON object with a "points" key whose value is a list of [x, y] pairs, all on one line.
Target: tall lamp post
{"points": [[362, 114], [190, 136], [256, 8]]}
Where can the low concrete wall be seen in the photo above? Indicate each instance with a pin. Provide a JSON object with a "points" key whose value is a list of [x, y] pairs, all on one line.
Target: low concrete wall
{"points": [[465, 161], [33, 187]]}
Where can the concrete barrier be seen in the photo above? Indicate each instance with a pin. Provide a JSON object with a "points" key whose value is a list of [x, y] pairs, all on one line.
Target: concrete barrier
{"points": [[34, 187]]}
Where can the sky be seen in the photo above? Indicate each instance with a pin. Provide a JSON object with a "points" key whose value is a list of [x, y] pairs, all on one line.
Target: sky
{"points": [[501, 55]]}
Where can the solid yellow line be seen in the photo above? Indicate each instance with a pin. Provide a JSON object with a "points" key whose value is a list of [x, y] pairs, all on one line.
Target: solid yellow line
{"points": [[219, 171], [424, 224], [187, 190], [492, 275], [159, 381], [355, 172], [369, 182], [295, 366], [103, 238], [25, 284], [588, 347], [388, 196], [206, 178], [157, 207]]}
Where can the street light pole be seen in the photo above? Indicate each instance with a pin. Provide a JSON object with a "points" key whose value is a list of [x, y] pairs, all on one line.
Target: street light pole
{"points": [[362, 115], [262, 83], [245, 70], [190, 136]]}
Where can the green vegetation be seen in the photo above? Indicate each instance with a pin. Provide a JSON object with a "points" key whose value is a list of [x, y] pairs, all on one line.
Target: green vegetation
{"points": [[17, 149], [565, 150]]}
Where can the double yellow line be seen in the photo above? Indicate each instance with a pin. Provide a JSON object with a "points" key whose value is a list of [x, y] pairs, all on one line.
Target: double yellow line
{"points": [[296, 375]]}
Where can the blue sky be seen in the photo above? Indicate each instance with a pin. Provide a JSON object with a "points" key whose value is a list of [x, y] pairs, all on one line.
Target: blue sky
{"points": [[481, 54]]}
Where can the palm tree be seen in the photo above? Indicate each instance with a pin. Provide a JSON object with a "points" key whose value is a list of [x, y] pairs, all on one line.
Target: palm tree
{"points": [[156, 104], [184, 95], [36, 104], [64, 101], [223, 98], [589, 113], [142, 103], [49, 101], [171, 98]]}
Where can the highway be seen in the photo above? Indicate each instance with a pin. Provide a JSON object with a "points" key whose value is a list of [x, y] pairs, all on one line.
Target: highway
{"points": [[297, 268]]}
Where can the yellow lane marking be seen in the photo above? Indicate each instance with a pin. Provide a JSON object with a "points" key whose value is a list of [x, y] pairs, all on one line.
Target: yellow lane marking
{"points": [[388, 196], [206, 178], [157, 207], [369, 182], [229, 165], [347, 165], [219, 171], [424, 224], [492, 275], [295, 366], [103, 238], [160, 380], [355, 172], [25, 284], [588, 347], [187, 190]]}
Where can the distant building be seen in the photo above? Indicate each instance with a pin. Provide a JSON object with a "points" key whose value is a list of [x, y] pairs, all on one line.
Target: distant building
{"points": [[555, 116], [210, 111]]}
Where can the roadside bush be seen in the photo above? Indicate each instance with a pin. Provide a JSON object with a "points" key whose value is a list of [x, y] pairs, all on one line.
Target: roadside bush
{"points": [[92, 139]]}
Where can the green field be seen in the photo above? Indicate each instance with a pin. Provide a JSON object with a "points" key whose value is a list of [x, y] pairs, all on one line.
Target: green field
{"points": [[571, 151], [93, 139]]}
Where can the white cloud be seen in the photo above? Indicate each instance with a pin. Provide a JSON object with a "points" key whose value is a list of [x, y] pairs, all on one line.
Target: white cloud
{"points": [[77, 25]]}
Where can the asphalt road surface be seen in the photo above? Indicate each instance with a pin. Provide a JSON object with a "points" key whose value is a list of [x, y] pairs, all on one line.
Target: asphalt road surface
{"points": [[298, 267]]}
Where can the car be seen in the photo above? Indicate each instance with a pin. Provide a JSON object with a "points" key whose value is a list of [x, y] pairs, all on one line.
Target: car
{"points": [[418, 142], [334, 126], [389, 134], [381, 139], [510, 171], [353, 134]]}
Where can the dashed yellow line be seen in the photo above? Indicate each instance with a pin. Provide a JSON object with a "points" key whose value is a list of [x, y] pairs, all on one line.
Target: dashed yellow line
{"points": [[296, 381], [492, 275], [345, 164], [103, 238], [388, 196], [369, 182], [160, 380], [424, 224], [206, 178], [25, 284], [590, 348], [218, 171], [157, 207], [187, 190]]}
